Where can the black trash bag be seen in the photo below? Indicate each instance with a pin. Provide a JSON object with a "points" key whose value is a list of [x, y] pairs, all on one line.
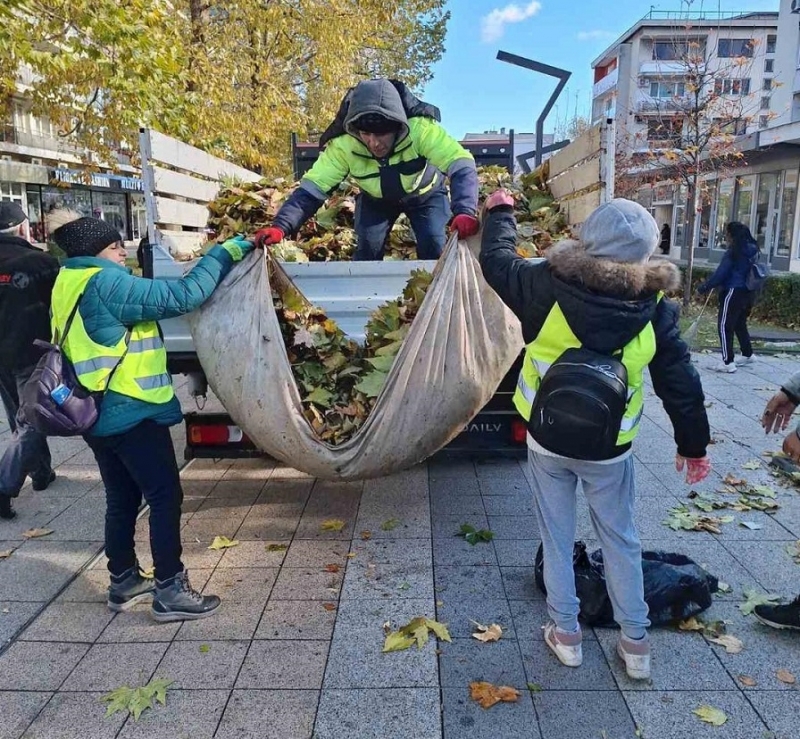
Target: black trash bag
{"points": [[675, 587]]}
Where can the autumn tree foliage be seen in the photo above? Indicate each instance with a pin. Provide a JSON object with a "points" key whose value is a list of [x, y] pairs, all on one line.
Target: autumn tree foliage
{"points": [[234, 77]]}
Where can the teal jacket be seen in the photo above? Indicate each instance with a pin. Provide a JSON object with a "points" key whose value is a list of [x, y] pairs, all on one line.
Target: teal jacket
{"points": [[115, 300]]}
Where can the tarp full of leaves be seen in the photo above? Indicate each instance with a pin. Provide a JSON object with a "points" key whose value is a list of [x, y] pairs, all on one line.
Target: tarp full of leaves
{"points": [[311, 398]]}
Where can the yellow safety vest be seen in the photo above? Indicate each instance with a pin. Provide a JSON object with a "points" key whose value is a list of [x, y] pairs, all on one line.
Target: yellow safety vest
{"points": [[142, 374], [555, 338]]}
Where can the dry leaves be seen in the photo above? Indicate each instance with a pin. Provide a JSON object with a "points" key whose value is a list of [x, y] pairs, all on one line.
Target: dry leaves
{"points": [[747, 681], [276, 547], [6, 553], [486, 694], [753, 599], [786, 677], [223, 542], [731, 643], [332, 568], [329, 606], [711, 715], [487, 633], [366, 535], [414, 632], [332, 524], [37, 533]]}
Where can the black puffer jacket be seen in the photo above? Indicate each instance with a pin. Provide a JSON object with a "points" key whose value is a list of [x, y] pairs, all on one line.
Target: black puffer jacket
{"points": [[606, 305], [27, 275]]}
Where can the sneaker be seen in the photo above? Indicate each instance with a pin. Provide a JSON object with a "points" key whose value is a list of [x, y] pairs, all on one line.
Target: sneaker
{"points": [[567, 647], [635, 653], [42, 483], [722, 367], [744, 361], [176, 600], [6, 509], [128, 589], [780, 617]]}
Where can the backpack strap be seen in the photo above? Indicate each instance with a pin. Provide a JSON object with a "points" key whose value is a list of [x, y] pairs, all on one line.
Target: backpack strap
{"points": [[68, 325]]}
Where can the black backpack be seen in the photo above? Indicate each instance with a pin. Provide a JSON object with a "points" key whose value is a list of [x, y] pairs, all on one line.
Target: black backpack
{"points": [[758, 273], [580, 404]]}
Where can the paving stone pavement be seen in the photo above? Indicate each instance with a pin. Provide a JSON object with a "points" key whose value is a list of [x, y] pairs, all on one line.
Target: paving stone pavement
{"points": [[295, 652]]}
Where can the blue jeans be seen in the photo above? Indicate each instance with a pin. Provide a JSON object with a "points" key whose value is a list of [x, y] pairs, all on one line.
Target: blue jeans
{"points": [[374, 219], [27, 452], [140, 463]]}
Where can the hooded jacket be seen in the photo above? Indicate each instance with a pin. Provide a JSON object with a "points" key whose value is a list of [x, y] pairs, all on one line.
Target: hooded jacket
{"points": [[731, 273], [27, 275], [606, 304], [423, 153]]}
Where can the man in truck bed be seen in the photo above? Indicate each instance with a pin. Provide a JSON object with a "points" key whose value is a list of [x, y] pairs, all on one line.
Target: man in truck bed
{"points": [[392, 146]]}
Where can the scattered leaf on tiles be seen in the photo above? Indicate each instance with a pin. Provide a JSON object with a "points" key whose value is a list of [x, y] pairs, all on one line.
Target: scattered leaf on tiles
{"points": [[205, 649], [487, 633], [332, 524], [711, 715], [753, 599], [793, 550], [786, 677], [390, 525], [136, 700], [37, 533], [387, 627], [681, 518], [415, 631], [734, 481], [352, 555], [366, 535], [6, 553], [403, 586], [329, 606], [535, 687], [753, 464], [223, 542], [731, 643], [148, 574], [691, 624], [276, 547], [752, 525], [763, 490], [332, 568], [723, 587], [486, 695], [747, 681], [473, 536]]}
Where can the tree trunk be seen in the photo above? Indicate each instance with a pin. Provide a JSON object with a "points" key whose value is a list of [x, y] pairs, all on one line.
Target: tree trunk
{"points": [[697, 212]]}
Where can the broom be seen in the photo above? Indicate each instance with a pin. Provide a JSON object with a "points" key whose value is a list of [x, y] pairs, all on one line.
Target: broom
{"points": [[690, 335]]}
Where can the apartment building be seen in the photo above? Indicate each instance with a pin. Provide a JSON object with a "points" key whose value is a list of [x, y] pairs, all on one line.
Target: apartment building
{"points": [[42, 170]]}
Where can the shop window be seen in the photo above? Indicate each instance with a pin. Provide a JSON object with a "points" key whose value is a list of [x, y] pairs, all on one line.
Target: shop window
{"points": [[744, 201], [788, 204], [110, 207], [724, 211], [38, 234]]}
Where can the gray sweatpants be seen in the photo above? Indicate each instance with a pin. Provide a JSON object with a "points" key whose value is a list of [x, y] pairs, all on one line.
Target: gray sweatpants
{"points": [[610, 491]]}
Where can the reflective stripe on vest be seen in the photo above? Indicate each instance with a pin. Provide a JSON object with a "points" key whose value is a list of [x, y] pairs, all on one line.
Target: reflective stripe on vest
{"points": [[554, 338], [142, 373]]}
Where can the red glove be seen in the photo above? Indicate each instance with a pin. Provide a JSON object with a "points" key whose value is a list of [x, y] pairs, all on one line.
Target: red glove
{"points": [[696, 469], [465, 225], [268, 236]]}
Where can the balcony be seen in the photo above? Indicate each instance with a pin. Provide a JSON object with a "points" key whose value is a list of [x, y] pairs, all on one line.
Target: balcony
{"points": [[663, 105], [10, 134], [657, 68], [609, 82]]}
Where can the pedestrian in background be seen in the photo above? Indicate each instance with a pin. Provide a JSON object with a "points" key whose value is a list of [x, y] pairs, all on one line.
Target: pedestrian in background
{"points": [[735, 299], [114, 342], [593, 318], [666, 239], [27, 275]]}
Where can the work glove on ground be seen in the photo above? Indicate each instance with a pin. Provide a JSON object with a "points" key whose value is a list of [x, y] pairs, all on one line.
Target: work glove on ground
{"points": [[238, 247], [268, 236], [465, 225], [696, 469]]}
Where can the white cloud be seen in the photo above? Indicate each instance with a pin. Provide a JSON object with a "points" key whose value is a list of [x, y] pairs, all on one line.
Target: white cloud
{"points": [[594, 35], [493, 25]]}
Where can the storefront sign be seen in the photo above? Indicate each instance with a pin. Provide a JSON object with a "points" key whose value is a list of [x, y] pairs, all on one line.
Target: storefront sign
{"points": [[100, 180]]}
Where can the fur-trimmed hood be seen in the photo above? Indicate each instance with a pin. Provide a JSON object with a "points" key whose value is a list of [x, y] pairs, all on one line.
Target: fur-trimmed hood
{"points": [[622, 280]]}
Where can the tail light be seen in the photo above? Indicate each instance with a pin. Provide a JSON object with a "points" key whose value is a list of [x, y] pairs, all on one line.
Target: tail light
{"points": [[519, 431], [215, 434]]}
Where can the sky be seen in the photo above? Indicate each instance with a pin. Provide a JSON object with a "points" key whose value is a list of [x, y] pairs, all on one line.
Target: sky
{"points": [[476, 92]]}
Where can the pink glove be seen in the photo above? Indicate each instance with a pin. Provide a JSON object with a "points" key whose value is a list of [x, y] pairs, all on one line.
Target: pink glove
{"points": [[500, 197], [696, 469], [465, 225]]}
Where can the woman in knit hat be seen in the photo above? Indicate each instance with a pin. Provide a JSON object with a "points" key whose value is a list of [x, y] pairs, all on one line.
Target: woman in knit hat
{"points": [[109, 318]]}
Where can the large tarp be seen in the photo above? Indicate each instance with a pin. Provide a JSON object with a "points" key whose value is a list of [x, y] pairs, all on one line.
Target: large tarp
{"points": [[461, 344]]}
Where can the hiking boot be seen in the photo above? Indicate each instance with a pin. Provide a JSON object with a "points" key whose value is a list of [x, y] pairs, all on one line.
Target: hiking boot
{"points": [[176, 600], [785, 616], [42, 483], [725, 368], [128, 589], [6, 509], [567, 647], [744, 361], [635, 653]]}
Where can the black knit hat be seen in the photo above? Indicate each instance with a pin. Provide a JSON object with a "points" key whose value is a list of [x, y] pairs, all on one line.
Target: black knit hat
{"points": [[375, 123], [85, 237]]}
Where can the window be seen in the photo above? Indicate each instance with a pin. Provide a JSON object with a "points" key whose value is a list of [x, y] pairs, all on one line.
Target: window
{"points": [[765, 102], [735, 86], [772, 41], [769, 66], [732, 48], [667, 130], [767, 86], [786, 224], [667, 89], [733, 127], [744, 200], [11, 191], [672, 51], [763, 121], [724, 203]]}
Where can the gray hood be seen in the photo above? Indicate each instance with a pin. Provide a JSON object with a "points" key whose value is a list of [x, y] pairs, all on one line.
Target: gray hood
{"points": [[376, 96]]}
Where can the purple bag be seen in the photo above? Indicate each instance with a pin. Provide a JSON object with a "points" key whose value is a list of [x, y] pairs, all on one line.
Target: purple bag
{"points": [[53, 400]]}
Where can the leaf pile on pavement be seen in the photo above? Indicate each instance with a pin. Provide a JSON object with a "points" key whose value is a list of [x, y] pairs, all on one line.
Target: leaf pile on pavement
{"points": [[681, 518], [338, 379], [137, 700], [486, 695], [414, 632], [245, 207]]}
